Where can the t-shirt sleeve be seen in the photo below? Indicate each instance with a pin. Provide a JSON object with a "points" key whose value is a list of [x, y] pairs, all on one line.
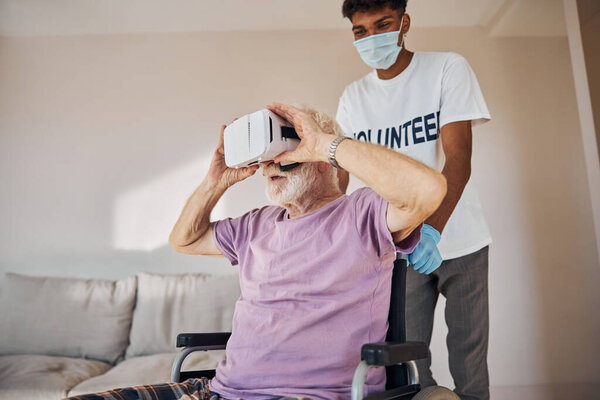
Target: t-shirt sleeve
{"points": [[461, 97], [371, 224], [408, 244], [342, 117], [231, 234]]}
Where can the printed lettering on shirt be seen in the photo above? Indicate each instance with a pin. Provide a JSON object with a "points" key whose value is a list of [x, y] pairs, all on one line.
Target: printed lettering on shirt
{"points": [[415, 131]]}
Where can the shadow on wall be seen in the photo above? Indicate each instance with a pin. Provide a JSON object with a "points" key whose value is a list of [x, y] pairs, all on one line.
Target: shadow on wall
{"points": [[142, 219], [144, 216], [554, 290], [145, 213]]}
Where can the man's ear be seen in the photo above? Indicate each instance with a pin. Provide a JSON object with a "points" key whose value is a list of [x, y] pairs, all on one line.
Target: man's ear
{"points": [[322, 166], [405, 24]]}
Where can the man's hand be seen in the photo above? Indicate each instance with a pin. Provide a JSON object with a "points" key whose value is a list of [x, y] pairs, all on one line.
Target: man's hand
{"points": [[314, 143], [192, 233], [220, 174], [413, 190], [426, 258]]}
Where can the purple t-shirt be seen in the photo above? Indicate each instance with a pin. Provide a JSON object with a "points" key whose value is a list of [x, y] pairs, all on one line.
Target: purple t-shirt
{"points": [[314, 289]]}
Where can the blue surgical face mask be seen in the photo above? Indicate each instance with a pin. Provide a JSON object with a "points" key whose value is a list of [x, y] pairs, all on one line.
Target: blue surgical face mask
{"points": [[380, 51]]}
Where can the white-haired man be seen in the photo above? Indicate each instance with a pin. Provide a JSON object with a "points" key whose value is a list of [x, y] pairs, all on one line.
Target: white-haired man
{"points": [[315, 272]]}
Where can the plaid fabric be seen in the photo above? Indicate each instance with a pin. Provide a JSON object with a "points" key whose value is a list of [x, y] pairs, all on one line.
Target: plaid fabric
{"points": [[192, 389]]}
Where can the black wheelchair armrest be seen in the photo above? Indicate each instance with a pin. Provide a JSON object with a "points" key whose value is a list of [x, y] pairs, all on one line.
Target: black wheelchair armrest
{"points": [[192, 342], [385, 354], [213, 341]]}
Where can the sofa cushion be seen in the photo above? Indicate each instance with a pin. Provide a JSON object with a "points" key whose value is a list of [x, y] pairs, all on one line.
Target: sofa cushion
{"points": [[67, 317], [146, 370], [44, 377], [167, 305]]}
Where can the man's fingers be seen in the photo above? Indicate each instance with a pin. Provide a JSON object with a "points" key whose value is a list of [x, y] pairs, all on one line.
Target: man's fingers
{"points": [[240, 174], [249, 171], [291, 156], [282, 114], [429, 266], [436, 262], [421, 268], [221, 136], [284, 110], [283, 157], [220, 150], [422, 264], [416, 257], [417, 267]]}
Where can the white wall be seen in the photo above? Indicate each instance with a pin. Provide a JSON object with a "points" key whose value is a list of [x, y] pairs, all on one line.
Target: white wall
{"points": [[102, 138]]}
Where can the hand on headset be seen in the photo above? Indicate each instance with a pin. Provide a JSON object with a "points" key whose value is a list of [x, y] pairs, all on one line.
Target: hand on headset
{"points": [[426, 257], [220, 174], [314, 143]]}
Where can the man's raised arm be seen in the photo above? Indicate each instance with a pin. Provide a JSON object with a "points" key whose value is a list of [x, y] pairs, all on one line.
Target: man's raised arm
{"points": [[192, 233], [413, 190]]}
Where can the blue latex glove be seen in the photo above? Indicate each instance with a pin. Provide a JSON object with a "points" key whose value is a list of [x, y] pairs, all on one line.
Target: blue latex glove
{"points": [[426, 257]]}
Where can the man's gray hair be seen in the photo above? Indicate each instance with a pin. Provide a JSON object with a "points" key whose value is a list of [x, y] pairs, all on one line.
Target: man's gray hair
{"points": [[326, 123]]}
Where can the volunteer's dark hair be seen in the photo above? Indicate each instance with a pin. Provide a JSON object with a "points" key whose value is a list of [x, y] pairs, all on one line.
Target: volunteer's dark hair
{"points": [[352, 6]]}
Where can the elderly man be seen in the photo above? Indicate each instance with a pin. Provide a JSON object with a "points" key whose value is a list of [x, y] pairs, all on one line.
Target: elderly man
{"points": [[315, 272]]}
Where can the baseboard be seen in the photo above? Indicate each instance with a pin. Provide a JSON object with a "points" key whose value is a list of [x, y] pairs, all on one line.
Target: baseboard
{"points": [[570, 391]]}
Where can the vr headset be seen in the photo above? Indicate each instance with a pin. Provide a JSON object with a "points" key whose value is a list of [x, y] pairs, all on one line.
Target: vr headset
{"points": [[258, 137]]}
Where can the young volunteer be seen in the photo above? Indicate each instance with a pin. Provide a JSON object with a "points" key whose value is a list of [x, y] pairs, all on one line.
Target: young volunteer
{"points": [[423, 105]]}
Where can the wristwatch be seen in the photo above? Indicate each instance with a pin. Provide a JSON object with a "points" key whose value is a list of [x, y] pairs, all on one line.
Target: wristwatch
{"points": [[332, 148]]}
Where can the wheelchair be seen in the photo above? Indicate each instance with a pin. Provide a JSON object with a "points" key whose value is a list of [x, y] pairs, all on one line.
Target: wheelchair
{"points": [[396, 354]]}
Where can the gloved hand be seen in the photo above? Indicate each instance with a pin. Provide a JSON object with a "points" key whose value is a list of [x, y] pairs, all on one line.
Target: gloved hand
{"points": [[426, 257]]}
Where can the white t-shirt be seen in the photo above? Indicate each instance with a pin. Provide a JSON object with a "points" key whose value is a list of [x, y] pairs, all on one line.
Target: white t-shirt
{"points": [[406, 113]]}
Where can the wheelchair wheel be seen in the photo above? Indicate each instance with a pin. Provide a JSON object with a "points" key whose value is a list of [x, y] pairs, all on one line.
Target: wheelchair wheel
{"points": [[436, 393]]}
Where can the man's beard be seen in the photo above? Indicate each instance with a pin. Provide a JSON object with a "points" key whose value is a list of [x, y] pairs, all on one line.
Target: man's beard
{"points": [[298, 183]]}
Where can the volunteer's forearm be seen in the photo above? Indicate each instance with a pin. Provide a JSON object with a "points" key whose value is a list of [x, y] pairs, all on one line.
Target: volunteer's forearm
{"points": [[194, 220], [457, 173], [457, 143], [402, 181]]}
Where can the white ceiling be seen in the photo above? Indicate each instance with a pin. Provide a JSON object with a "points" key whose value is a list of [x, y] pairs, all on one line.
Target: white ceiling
{"points": [[81, 17]]}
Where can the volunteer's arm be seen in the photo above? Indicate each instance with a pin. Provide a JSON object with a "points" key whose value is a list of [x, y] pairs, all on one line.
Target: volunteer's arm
{"points": [[413, 190], [192, 233], [457, 144]]}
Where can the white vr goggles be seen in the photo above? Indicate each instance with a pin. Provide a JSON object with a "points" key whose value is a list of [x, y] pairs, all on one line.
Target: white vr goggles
{"points": [[258, 137]]}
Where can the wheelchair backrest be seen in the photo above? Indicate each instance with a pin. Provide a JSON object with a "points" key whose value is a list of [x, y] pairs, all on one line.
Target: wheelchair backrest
{"points": [[396, 375]]}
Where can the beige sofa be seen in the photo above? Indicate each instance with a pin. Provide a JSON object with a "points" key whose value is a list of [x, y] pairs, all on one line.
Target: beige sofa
{"points": [[61, 337]]}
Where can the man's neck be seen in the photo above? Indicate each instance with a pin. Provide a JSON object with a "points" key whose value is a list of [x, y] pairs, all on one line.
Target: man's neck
{"points": [[309, 203], [403, 60]]}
